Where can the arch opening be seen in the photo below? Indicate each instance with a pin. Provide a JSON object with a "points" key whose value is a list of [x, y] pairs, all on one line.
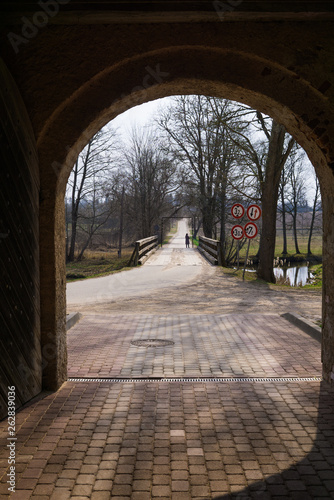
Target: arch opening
{"points": [[250, 80]]}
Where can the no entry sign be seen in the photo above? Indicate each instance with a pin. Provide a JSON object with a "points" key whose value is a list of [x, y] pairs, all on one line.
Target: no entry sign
{"points": [[237, 210], [253, 212], [250, 230], [237, 232]]}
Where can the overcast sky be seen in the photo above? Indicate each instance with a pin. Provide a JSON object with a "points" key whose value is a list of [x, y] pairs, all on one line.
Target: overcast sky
{"points": [[139, 116]]}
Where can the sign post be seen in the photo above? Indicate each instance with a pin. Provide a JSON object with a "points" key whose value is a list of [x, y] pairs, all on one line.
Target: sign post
{"points": [[250, 230], [237, 233], [250, 233], [237, 212]]}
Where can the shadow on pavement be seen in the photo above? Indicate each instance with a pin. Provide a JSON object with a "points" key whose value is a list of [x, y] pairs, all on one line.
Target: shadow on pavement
{"points": [[309, 478]]}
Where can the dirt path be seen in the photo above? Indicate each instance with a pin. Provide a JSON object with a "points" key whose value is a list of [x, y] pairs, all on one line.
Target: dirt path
{"points": [[219, 293], [170, 266]]}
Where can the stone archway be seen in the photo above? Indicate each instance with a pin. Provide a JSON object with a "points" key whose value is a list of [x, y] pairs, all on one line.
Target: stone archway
{"points": [[78, 72], [280, 94]]}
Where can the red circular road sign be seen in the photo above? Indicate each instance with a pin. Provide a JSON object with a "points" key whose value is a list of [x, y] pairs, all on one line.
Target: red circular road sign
{"points": [[237, 210], [254, 212], [237, 232], [250, 230]]}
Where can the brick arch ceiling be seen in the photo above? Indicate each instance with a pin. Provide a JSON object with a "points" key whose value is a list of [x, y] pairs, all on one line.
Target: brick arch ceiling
{"points": [[227, 73]]}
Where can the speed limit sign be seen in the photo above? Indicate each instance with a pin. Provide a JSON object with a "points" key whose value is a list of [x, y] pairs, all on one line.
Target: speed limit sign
{"points": [[237, 232], [237, 210], [250, 230], [253, 212]]}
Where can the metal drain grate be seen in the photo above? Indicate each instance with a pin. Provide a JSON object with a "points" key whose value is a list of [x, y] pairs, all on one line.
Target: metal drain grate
{"points": [[152, 342], [201, 379]]}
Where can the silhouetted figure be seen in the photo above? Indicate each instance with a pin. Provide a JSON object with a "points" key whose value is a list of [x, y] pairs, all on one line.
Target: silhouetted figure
{"points": [[187, 240]]}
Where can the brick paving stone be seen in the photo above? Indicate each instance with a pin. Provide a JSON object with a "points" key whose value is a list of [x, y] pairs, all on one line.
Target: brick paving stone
{"points": [[248, 440], [43, 489], [227, 337], [219, 486], [141, 485], [181, 495], [85, 479], [141, 495], [179, 475], [105, 474], [180, 486], [26, 484], [19, 495], [121, 489], [65, 483], [161, 491], [198, 479], [103, 485], [200, 491], [82, 489], [100, 495], [165, 479]]}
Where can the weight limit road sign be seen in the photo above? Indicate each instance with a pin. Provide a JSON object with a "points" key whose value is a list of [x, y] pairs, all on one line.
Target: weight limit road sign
{"points": [[237, 232], [237, 210], [250, 230]]}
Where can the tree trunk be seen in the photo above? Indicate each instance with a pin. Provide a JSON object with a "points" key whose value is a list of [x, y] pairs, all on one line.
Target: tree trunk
{"points": [[295, 230], [312, 220], [222, 224], [70, 257], [121, 224], [208, 217], [268, 234], [197, 228], [269, 198], [285, 244], [207, 225], [85, 247]]}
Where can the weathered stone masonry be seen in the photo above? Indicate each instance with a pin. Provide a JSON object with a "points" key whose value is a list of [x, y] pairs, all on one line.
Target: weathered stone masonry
{"points": [[82, 68]]}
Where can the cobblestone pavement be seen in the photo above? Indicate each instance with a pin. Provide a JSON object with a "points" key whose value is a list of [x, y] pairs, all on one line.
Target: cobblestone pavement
{"points": [[179, 440], [176, 441], [204, 346]]}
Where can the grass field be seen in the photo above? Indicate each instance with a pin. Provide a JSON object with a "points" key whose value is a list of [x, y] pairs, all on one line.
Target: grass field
{"points": [[316, 246], [102, 263], [98, 263]]}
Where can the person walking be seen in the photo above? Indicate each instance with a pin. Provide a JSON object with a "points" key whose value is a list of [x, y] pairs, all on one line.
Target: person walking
{"points": [[187, 240]]}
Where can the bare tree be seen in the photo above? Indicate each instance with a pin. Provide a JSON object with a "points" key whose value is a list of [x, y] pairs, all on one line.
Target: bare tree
{"points": [[264, 159], [283, 185], [153, 182], [296, 194], [94, 214], [92, 167], [195, 126], [316, 206]]}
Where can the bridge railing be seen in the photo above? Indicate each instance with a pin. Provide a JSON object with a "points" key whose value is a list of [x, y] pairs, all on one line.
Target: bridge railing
{"points": [[211, 249], [142, 248]]}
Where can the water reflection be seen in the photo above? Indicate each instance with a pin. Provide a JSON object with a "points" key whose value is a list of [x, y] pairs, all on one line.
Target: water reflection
{"points": [[296, 275]]}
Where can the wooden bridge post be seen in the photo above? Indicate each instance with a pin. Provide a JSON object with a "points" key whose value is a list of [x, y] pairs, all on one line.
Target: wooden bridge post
{"points": [[136, 258]]}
